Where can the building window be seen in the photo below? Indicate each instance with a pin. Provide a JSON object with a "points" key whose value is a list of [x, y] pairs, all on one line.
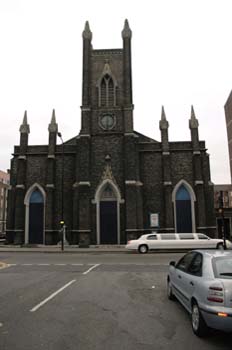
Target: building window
{"points": [[107, 96]]}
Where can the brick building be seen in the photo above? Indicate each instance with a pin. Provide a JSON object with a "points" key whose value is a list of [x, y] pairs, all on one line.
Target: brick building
{"points": [[223, 200], [117, 183], [228, 114], [4, 186]]}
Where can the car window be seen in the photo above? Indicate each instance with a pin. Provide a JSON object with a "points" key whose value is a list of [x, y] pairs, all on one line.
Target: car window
{"points": [[195, 267], [201, 236], [184, 262], [167, 236], [187, 236], [152, 237], [222, 267]]}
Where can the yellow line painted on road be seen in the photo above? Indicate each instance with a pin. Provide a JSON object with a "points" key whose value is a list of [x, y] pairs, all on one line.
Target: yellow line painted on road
{"points": [[3, 265]]}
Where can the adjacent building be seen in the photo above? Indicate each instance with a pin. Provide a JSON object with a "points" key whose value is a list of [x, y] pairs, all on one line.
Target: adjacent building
{"points": [[109, 183], [223, 201], [228, 114], [4, 186]]}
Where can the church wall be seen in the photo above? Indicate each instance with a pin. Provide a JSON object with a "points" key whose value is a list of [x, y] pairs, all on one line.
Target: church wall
{"points": [[151, 177]]}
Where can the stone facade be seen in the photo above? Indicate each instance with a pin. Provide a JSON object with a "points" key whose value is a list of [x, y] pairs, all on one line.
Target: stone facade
{"points": [[107, 181], [4, 186]]}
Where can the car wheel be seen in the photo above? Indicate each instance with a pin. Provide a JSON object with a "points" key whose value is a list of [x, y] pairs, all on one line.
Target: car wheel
{"points": [[220, 246], [143, 248], [171, 296], [198, 323]]}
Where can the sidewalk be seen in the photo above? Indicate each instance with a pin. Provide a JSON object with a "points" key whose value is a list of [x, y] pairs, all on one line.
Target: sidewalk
{"points": [[67, 249]]}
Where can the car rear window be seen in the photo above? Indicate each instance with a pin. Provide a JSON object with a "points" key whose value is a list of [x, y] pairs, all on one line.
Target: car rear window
{"points": [[222, 267], [167, 236]]}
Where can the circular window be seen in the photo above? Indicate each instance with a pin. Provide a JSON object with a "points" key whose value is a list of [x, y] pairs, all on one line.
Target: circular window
{"points": [[107, 121]]}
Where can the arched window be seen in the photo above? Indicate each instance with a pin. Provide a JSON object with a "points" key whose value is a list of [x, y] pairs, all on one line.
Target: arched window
{"points": [[182, 194], [108, 193], [183, 210], [36, 197], [107, 93]]}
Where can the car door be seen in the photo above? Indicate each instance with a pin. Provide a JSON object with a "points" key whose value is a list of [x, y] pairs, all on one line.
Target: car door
{"points": [[178, 277], [191, 278], [152, 241]]}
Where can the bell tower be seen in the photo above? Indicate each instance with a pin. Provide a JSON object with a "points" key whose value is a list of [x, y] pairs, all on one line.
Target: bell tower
{"points": [[107, 87]]}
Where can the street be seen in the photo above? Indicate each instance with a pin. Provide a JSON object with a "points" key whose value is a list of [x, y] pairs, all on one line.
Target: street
{"points": [[94, 301]]}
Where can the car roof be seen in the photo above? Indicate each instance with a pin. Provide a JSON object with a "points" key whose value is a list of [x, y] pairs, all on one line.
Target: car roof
{"points": [[214, 252]]}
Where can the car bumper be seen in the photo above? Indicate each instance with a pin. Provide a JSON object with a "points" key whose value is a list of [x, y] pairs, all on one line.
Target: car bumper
{"points": [[213, 320], [131, 247]]}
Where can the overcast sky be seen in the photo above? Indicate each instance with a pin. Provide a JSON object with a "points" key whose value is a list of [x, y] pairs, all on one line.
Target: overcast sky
{"points": [[181, 56]]}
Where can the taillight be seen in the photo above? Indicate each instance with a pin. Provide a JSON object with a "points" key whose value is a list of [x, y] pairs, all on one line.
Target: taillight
{"points": [[215, 294], [128, 242]]}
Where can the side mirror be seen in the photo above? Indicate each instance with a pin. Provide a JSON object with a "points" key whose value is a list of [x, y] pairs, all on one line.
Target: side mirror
{"points": [[172, 263]]}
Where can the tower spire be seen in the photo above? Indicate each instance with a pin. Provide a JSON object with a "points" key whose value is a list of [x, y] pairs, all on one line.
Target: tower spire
{"points": [[193, 122], [126, 32], [24, 127], [163, 124], [53, 127], [87, 34]]}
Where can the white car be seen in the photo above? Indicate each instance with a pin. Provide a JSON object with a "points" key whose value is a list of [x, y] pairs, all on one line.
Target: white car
{"points": [[175, 241], [202, 282]]}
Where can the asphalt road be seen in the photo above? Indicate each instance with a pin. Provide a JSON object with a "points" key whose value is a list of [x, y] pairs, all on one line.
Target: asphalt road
{"points": [[93, 301]]}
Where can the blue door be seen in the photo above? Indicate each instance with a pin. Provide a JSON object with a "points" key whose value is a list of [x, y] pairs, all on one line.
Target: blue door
{"points": [[36, 218], [183, 210]]}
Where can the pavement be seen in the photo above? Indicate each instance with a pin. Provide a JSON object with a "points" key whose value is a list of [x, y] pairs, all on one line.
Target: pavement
{"points": [[67, 248]]}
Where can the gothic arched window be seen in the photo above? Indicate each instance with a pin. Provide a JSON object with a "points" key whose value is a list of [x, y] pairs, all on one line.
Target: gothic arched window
{"points": [[107, 93]]}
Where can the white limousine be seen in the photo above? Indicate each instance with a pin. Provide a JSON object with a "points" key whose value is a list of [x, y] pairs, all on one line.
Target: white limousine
{"points": [[175, 241]]}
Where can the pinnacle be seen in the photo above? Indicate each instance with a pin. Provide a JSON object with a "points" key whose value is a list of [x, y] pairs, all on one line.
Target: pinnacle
{"points": [[53, 127], [163, 115], [53, 120], [87, 34], [126, 32], [193, 116], [163, 124], [193, 122], [25, 118], [24, 127]]}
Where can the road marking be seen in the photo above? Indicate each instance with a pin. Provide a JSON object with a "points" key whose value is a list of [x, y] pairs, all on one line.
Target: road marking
{"points": [[91, 268], [35, 308], [77, 264], [3, 265], [60, 264], [42, 264], [26, 264]]}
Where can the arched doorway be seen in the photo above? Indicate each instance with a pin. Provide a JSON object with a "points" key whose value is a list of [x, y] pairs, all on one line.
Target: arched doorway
{"points": [[183, 210], [107, 200], [35, 214], [108, 216], [183, 199], [36, 217]]}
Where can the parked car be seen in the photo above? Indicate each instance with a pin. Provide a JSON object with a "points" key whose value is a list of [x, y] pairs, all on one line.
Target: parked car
{"points": [[202, 281], [175, 241]]}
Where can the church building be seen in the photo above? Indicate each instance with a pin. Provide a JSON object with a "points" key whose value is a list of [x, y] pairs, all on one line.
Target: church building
{"points": [[109, 183]]}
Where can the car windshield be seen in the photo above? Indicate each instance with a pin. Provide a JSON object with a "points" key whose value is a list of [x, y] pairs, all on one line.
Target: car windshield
{"points": [[222, 267]]}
